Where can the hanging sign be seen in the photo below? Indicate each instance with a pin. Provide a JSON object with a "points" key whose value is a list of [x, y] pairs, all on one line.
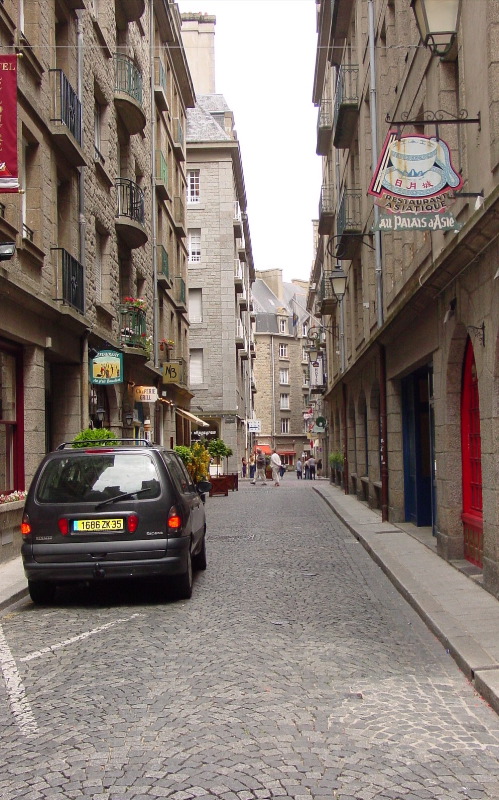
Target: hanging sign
{"points": [[145, 394], [9, 177], [106, 367], [172, 372], [254, 425], [414, 184]]}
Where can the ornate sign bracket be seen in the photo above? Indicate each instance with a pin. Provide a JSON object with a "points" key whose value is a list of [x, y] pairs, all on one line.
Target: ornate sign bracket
{"points": [[436, 118]]}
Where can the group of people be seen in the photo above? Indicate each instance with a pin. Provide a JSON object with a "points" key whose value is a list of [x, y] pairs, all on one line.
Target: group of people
{"points": [[305, 467]]}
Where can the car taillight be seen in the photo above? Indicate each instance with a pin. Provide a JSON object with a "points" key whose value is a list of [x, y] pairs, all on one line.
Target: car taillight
{"points": [[25, 526], [132, 523], [174, 519], [63, 526]]}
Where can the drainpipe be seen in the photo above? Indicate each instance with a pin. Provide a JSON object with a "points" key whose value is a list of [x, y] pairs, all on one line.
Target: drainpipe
{"points": [[383, 441], [82, 226], [272, 377], [374, 148], [154, 226]]}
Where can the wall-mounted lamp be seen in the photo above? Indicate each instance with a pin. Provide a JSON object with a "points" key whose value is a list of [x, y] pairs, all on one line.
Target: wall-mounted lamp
{"points": [[128, 418], [7, 250], [451, 310], [478, 332], [338, 279], [100, 413], [438, 23], [313, 353]]}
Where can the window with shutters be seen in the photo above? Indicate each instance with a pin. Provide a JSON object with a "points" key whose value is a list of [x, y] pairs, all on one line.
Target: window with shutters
{"points": [[194, 245], [195, 305], [193, 186], [195, 366]]}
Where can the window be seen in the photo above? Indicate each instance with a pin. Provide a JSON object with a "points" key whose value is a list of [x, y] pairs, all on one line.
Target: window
{"points": [[195, 366], [284, 425], [193, 186], [304, 329], [306, 377], [284, 401], [284, 376], [283, 351], [195, 305], [194, 245], [304, 354], [283, 325]]}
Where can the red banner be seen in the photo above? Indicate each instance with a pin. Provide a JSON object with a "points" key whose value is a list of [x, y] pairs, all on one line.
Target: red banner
{"points": [[9, 176]]}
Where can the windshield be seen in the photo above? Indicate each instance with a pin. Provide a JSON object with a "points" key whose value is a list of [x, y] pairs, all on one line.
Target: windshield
{"points": [[93, 477]]}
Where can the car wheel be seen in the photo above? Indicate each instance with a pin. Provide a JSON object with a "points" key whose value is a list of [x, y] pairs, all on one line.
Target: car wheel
{"points": [[184, 581], [199, 560], [41, 592]]}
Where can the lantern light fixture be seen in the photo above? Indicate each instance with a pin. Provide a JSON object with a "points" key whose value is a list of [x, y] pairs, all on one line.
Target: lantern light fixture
{"points": [[313, 353], [438, 23], [128, 418], [338, 278], [100, 414]]}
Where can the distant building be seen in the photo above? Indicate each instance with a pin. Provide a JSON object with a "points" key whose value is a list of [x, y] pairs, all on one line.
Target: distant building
{"points": [[284, 403], [220, 258]]}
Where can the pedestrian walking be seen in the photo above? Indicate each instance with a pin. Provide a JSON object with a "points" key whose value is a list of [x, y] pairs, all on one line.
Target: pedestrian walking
{"points": [[311, 468], [243, 467], [306, 468], [299, 469], [319, 467], [252, 466], [260, 468], [276, 464], [282, 470]]}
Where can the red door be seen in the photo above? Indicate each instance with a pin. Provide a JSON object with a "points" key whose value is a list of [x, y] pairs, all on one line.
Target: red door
{"points": [[471, 449]]}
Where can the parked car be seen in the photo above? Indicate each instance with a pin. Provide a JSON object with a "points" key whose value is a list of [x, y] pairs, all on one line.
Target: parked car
{"points": [[127, 509]]}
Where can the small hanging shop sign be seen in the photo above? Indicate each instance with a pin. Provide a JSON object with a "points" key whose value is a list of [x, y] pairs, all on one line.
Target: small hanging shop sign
{"points": [[414, 184], [145, 394], [106, 367]]}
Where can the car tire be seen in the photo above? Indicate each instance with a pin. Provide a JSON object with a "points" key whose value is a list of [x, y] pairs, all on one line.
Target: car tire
{"points": [[41, 592], [184, 582], [199, 560]]}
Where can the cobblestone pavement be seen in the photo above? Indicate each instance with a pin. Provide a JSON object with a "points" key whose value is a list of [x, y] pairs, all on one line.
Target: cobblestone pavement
{"points": [[295, 671]]}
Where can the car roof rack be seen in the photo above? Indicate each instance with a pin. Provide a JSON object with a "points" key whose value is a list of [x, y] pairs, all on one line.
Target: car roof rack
{"points": [[81, 443]]}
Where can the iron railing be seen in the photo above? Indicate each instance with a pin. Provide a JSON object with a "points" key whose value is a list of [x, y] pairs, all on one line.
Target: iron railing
{"points": [[349, 213], [130, 200], [177, 132], [347, 91], [325, 117], [326, 201], [71, 272], [128, 78], [67, 107], [132, 326], [180, 290], [161, 168], [163, 265], [160, 74]]}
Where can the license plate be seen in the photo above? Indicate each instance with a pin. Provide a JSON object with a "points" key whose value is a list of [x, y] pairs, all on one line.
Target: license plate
{"points": [[98, 525]]}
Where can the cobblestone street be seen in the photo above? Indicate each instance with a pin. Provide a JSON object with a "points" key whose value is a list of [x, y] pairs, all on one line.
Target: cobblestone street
{"points": [[295, 671]]}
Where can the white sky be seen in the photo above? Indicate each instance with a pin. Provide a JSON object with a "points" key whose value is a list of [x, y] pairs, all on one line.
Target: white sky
{"points": [[265, 58]]}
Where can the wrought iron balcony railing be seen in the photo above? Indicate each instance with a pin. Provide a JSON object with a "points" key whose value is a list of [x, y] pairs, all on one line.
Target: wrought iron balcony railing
{"points": [[128, 78], [130, 200], [346, 105], [349, 212], [66, 106], [163, 266], [71, 279], [132, 326]]}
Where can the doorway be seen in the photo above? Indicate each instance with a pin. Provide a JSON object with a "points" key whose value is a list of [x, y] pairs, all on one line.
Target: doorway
{"points": [[418, 448]]}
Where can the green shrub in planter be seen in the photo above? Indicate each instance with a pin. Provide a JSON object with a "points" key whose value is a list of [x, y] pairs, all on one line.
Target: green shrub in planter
{"points": [[97, 436], [336, 460]]}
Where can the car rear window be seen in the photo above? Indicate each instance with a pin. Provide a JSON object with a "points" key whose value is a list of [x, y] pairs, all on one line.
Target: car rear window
{"points": [[92, 477]]}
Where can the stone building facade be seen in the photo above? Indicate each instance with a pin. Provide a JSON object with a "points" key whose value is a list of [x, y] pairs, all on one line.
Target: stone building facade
{"points": [[220, 258], [95, 224], [282, 369], [413, 347]]}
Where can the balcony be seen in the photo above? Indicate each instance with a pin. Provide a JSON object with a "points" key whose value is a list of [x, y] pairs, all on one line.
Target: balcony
{"points": [[237, 221], [239, 335], [71, 279], [133, 327], [324, 127], [180, 294], [244, 350], [128, 94], [128, 11], [241, 249], [326, 300], [179, 215], [163, 267], [66, 118], [346, 107], [130, 216], [161, 178], [238, 275], [160, 85], [242, 299], [178, 139], [348, 224], [326, 210]]}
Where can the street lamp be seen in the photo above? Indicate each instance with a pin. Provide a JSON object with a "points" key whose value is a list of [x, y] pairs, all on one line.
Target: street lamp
{"points": [[313, 353], [438, 23], [338, 280], [7, 250], [128, 418], [100, 414]]}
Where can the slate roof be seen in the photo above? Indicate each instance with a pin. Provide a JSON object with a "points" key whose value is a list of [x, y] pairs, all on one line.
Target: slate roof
{"points": [[200, 124], [266, 305]]}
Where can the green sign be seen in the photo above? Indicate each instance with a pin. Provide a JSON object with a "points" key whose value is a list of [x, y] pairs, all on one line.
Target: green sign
{"points": [[106, 367], [443, 221]]}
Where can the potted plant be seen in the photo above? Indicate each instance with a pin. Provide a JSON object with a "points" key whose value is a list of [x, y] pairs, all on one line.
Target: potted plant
{"points": [[197, 460], [336, 461], [98, 437], [134, 302], [166, 344]]}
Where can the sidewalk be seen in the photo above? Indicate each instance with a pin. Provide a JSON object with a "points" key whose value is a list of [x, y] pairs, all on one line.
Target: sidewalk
{"points": [[463, 616]]}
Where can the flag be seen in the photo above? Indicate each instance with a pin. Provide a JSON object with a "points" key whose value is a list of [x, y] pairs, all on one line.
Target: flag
{"points": [[9, 177]]}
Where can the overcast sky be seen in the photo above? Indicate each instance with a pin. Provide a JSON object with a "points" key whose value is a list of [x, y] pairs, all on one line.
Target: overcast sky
{"points": [[265, 57]]}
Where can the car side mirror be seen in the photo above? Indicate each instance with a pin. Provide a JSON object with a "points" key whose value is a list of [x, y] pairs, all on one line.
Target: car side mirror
{"points": [[203, 486]]}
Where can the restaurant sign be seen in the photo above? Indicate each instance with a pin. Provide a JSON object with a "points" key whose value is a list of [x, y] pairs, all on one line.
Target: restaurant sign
{"points": [[414, 184], [145, 394], [106, 367]]}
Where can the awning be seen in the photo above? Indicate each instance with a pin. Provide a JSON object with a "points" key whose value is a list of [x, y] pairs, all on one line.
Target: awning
{"points": [[287, 452], [192, 417], [265, 448]]}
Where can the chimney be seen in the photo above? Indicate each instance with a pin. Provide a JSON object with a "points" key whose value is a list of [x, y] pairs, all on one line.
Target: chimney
{"points": [[198, 36]]}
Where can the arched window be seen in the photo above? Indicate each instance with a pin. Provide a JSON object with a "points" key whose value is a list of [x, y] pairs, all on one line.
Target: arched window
{"points": [[471, 453]]}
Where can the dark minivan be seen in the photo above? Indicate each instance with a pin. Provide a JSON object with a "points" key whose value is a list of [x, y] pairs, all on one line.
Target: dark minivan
{"points": [[127, 509]]}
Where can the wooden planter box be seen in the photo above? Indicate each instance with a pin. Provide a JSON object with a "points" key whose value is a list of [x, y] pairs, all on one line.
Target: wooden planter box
{"points": [[220, 485], [10, 529]]}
